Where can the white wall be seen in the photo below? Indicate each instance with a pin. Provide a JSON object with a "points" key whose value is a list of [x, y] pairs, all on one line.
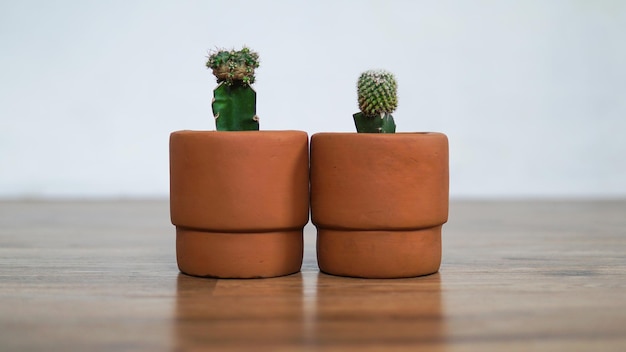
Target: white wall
{"points": [[532, 94]]}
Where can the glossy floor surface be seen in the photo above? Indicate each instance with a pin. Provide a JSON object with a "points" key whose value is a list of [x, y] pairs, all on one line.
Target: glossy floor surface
{"points": [[516, 276]]}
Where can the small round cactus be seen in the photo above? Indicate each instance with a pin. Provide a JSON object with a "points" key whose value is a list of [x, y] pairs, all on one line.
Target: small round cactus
{"points": [[234, 66], [377, 91]]}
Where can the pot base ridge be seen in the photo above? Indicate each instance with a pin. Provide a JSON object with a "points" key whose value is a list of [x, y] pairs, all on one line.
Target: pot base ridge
{"points": [[379, 254], [239, 255]]}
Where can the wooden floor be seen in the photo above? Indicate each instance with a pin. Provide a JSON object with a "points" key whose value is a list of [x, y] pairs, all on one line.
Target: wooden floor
{"points": [[516, 276]]}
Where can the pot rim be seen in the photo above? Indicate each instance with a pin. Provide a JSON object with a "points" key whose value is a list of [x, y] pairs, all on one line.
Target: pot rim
{"points": [[381, 135], [235, 132]]}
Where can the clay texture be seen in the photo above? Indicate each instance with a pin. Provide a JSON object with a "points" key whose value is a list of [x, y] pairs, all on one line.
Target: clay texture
{"points": [[379, 202], [239, 201]]}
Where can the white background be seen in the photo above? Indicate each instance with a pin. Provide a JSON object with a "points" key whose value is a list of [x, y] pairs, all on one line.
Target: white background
{"points": [[532, 94]]}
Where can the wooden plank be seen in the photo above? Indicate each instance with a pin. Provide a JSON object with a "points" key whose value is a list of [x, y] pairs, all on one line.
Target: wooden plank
{"points": [[516, 276]]}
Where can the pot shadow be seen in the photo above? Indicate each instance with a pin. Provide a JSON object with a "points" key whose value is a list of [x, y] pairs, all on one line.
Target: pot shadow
{"points": [[308, 309], [376, 313], [247, 314]]}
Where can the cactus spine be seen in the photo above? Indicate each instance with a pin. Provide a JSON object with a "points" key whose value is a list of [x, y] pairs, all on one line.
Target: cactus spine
{"points": [[377, 97], [234, 100]]}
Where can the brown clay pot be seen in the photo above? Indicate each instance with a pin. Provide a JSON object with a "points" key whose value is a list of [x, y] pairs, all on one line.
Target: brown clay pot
{"points": [[379, 202], [239, 201]]}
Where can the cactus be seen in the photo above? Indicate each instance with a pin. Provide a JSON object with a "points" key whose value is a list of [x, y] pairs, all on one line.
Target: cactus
{"points": [[234, 100], [377, 96]]}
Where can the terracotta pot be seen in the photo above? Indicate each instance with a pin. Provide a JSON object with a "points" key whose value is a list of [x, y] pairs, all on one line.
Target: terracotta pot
{"points": [[239, 201], [379, 202]]}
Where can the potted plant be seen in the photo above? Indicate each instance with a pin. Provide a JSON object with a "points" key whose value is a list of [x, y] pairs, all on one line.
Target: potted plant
{"points": [[377, 93], [238, 196], [379, 199], [234, 100]]}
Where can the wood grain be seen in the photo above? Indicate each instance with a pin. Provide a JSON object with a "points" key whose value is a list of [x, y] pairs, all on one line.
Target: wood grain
{"points": [[516, 276]]}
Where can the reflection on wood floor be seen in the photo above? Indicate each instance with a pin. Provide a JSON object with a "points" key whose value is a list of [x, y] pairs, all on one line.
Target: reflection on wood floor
{"points": [[309, 308]]}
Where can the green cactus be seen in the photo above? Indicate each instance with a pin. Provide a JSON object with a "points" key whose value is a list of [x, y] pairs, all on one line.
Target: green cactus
{"points": [[234, 100], [377, 96]]}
